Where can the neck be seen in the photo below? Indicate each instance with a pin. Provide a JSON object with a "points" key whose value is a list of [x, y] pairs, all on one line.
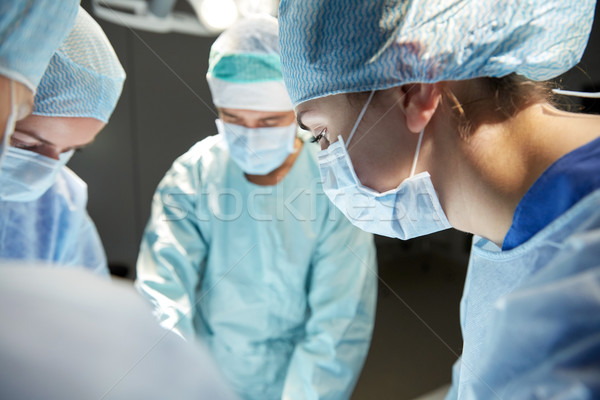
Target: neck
{"points": [[275, 176], [482, 179]]}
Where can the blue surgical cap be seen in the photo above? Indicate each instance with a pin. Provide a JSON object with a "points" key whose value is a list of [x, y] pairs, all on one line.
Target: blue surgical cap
{"points": [[30, 32], [244, 67], [342, 46], [84, 77]]}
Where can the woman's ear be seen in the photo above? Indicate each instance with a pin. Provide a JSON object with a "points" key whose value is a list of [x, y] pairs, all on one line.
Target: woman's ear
{"points": [[420, 101]]}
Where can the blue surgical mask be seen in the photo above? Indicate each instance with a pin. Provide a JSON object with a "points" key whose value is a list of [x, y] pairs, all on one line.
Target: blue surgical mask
{"points": [[412, 209], [26, 176], [10, 124], [258, 151]]}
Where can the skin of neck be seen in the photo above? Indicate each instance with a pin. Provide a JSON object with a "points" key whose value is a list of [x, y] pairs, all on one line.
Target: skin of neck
{"points": [[481, 179]]}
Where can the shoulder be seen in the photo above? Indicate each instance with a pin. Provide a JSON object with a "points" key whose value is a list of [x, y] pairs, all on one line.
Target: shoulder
{"points": [[206, 158], [206, 153], [578, 246]]}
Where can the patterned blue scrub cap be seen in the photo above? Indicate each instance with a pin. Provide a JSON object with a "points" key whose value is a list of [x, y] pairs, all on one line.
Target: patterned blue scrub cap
{"points": [[342, 46], [84, 77], [30, 32]]}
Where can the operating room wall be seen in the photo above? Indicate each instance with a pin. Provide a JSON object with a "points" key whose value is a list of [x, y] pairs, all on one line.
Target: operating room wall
{"points": [[166, 107]]}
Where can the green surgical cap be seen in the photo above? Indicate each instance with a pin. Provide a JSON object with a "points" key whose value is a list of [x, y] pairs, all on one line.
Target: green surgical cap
{"points": [[244, 67]]}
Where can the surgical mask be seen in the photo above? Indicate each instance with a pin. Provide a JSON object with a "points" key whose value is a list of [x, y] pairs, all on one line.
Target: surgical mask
{"points": [[258, 151], [412, 209], [27, 175], [10, 124]]}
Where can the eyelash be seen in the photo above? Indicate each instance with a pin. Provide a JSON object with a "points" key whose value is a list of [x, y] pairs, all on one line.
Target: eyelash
{"points": [[319, 136]]}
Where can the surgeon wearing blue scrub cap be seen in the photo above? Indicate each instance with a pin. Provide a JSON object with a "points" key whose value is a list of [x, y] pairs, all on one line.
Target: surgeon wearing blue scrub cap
{"points": [[432, 114], [43, 213], [30, 33], [278, 284]]}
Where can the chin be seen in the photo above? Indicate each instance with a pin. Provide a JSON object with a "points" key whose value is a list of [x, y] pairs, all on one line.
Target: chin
{"points": [[378, 187]]}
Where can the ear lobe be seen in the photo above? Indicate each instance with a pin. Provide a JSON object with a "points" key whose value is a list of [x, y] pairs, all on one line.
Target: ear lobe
{"points": [[420, 103]]}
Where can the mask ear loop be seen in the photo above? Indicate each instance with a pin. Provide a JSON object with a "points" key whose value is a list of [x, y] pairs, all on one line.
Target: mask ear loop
{"points": [[360, 116], [589, 95], [414, 164]]}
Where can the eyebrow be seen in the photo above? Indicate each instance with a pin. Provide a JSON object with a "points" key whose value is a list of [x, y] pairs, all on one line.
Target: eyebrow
{"points": [[299, 119], [273, 118], [44, 141], [229, 114]]}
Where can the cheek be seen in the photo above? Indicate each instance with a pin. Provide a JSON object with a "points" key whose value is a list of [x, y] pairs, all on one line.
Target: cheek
{"points": [[379, 164], [378, 172]]}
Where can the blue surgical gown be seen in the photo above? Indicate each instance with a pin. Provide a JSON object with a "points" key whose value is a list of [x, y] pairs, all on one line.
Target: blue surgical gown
{"points": [[530, 315], [278, 284], [55, 228]]}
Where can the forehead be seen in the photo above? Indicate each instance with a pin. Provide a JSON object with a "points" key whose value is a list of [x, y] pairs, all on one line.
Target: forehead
{"points": [[253, 114], [61, 131], [331, 107], [333, 101]]}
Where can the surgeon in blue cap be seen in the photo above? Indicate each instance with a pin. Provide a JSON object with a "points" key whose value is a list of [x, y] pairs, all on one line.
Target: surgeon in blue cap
{"points": [[244, 250], [432, 114], [30, 33], [43, 213]]}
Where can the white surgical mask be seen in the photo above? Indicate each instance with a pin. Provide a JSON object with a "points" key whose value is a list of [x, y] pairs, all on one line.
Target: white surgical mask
{"points": [[26, 175], [10, 124], [412, 209], [258, 151]]}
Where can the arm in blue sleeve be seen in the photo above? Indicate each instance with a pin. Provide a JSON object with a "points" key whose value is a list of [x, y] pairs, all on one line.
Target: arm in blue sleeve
{"points": [[77, 239], [546, 338], [172, 251], [342, 298], [89, 249]]}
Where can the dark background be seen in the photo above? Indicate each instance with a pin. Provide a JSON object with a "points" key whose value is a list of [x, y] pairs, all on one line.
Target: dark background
{"points": [[166, 107]]}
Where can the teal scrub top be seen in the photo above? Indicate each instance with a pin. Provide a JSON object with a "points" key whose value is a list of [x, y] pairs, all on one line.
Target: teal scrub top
{"points": [[274, 279]]}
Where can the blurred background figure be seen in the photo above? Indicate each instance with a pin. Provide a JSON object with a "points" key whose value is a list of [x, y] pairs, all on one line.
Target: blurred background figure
{"points": [[43, 214], [30, 33], [244, 251]]}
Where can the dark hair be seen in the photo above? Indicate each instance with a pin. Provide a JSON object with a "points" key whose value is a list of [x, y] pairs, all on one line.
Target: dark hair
{"points": [[491, 100], [482, 100]]}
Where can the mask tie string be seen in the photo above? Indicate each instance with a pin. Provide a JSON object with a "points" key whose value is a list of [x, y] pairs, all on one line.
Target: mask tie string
{"points": [[360, 116], [414, 164], [589, 95]]}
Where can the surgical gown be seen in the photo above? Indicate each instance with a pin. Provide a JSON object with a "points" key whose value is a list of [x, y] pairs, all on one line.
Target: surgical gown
{"points": [[55, 228], [530, 315], [274, 279]]}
